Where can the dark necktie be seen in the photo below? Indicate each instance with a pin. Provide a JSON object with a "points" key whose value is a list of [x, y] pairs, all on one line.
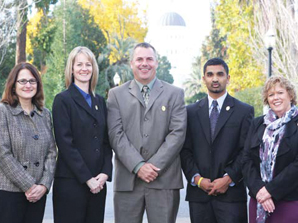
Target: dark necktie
{"points": [[213, 117], [145, 93]]}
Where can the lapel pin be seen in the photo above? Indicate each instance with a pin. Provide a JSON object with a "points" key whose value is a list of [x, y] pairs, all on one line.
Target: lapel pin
{"points": [[96, 108], [228, 108], [163, 108]]}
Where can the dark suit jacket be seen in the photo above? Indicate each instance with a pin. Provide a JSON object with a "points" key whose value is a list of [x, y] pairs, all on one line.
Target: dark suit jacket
{"points": [[81, 135], [213, 159], [284, 185]]}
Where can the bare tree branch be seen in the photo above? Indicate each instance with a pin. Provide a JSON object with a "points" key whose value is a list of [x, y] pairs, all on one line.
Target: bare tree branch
{"points": [[278, 15]]}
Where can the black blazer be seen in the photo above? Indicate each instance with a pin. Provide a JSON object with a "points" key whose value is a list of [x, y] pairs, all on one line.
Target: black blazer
{"points": [[81, 135], [284, 185], [212, 159]]}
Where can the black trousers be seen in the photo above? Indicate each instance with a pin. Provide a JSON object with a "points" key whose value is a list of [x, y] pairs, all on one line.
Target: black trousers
{"points": [[216, 211], [15, 208], [74, 203]]}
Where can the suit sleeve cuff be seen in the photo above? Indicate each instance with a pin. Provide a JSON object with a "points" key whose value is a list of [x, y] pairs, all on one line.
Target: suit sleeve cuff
{"points": [[193, 180], [232, 184], [138, 167]]}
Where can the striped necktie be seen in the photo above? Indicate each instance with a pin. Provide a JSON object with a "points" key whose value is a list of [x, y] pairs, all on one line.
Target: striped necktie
{"points": [[145, 93]]}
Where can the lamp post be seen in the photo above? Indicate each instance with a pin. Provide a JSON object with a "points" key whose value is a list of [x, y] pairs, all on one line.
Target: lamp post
{"points": [[270, 43], [116, 79]]}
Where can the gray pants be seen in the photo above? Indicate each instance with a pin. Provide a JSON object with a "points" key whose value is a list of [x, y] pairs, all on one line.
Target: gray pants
{"points": [[161, 205]]}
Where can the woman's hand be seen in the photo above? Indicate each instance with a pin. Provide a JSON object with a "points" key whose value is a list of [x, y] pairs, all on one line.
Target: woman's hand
{"points": [[268, 205], [263, 195], [94, 185], [35, 193], [102, 178]]}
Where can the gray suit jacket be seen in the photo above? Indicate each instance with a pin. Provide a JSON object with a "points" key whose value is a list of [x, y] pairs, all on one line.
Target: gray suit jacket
{"points": [[154, 134], [27, 149]]}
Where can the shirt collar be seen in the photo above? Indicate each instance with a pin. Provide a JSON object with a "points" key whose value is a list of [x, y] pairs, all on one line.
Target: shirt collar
{"points": [[85, 95], [18, 109], [219, 100], [150, 85]]}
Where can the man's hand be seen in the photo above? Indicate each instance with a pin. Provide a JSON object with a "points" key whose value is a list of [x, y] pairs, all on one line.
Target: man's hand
{"points": [[263, 195], [35, 193], [206, 184], [221, 185], [148, 172]]}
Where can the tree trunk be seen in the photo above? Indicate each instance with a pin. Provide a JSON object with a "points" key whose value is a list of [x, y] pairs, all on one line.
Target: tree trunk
{"points": [[21, 44], [21, 33]]}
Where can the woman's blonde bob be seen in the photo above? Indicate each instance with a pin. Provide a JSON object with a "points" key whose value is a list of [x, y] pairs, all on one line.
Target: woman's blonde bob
{"points": [[69, 79], [284, 83]]}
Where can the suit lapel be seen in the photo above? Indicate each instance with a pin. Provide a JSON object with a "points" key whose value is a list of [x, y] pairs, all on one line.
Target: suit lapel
{"points": [[134, 90], [97, 109], [80, 100], [154, 93], [291, 129], [261, 131], [225, 112], [203, 114]]}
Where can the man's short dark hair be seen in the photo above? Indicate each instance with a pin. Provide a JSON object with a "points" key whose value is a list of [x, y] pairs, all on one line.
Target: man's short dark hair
{"points": [[216, 61], [143, 45]]}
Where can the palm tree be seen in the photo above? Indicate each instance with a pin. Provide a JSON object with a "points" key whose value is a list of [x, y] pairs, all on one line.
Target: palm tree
{"points": [[193, 84], [118, 54]]}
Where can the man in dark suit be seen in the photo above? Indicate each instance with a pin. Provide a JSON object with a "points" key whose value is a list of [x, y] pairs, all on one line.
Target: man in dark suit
{"points": [[211, 155]]}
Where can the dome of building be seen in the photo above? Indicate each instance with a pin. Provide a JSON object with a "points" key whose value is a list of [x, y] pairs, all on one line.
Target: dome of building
{"points": [[172, 19]]}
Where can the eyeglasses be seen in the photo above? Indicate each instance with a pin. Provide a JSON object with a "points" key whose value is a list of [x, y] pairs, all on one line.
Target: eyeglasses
{"points": [[24, 81]]}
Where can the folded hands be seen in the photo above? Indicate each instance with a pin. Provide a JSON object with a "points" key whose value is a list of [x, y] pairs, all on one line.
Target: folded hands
{"points": [[96, 184]]}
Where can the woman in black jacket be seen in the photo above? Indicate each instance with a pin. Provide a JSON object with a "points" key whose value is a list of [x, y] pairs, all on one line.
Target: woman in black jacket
{"points": [[84, 153], [270, 162]]}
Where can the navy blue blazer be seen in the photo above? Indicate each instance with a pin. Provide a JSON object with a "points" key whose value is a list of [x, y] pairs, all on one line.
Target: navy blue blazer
{"points": [[212, 159], [81, 134], [284, 185]]}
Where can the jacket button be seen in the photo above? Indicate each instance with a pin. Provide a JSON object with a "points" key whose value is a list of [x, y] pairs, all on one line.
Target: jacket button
{"points": [[36, 164], [145, 119], [25, 167], [97, 150], [94, 124], [146, 135], [95, 137]]}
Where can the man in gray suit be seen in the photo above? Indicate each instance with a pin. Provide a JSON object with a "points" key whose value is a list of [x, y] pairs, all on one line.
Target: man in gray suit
{"points": [[147, 126]]}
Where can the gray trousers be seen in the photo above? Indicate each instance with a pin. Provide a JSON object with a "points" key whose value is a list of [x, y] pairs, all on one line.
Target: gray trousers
{"points": [[161, 205]]}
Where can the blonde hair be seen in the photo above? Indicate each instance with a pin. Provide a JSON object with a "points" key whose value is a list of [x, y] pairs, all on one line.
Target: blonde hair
{"points": [[285, 83], [69, 79]]}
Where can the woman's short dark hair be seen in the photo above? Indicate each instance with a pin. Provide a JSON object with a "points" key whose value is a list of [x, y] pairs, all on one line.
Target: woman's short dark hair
{"points": [[9, 95]]}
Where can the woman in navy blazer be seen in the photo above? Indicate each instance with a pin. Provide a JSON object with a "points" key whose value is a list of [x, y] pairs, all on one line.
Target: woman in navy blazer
{"points": [[84, 153], [270, 162]]}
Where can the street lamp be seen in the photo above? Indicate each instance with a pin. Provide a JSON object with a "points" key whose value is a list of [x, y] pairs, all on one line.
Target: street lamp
{"points": [[117, 79], [270, 43]]}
